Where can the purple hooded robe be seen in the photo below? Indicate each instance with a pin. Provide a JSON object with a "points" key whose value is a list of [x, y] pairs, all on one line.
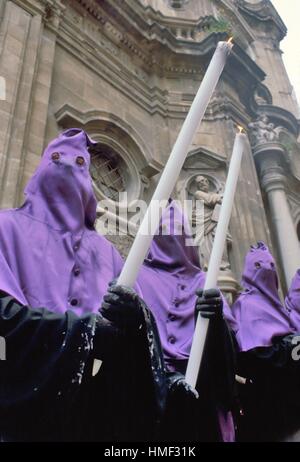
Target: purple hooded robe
{"points": [[57, 268], [50, 254], [169, 278], [258, 310], [265, 339], [173, 274], [292, 302]]}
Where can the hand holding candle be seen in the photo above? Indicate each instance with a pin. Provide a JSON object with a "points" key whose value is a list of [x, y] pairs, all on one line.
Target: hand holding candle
{"points": [[216, 257]]}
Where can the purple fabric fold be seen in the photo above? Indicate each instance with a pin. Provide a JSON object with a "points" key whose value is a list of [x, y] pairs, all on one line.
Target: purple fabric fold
{"points": [[169, 278]]}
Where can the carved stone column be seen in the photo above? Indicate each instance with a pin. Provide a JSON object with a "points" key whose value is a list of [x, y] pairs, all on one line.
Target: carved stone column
{"points": [[269, 154], [273, 180]]}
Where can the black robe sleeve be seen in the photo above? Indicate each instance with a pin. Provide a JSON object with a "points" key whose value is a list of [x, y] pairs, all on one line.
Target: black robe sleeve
{"points": [[219, 362], [279, 354], [270, 399], [126, 399], [190, 419], [46, 355], [216, 380], [47, 392]]}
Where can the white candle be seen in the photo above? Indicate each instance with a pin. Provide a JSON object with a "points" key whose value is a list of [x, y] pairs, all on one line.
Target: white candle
{"points": [[216, 257], [175, 162]]}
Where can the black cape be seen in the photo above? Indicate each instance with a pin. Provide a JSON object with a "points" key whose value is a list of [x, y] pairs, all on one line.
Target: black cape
{"points": [[269, 401], [187, 419], [47, 392]]}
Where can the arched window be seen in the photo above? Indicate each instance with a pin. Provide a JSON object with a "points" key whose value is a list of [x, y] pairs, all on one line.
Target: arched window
{"points": [[121, 161], [108, 171]]}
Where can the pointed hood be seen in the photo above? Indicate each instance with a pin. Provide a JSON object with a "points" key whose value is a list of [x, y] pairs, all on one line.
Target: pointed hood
{"points": [[258, 310], [169, 278], [60, 192], [260, 272], [173, 246], [50, 254]]}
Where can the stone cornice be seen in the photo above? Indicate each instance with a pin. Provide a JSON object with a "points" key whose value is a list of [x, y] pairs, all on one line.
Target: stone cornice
{"points": [[154, 34], [108, 56], [50, 10], [114, 53], [222, 106], [246, 65], [32, 7], [208, 159], [148, 19], [263, 11], [103, 50]]}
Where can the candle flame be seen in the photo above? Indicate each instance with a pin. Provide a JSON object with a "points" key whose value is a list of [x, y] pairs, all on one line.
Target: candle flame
{"points": [[230, 40], [241, 129]]}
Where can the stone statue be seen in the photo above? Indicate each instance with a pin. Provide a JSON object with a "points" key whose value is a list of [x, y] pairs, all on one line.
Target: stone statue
{"points": [[205, 220], [261, 131]]}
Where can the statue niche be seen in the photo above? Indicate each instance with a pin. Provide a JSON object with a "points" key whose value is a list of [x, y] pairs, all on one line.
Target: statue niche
{"points": [[205, 218]]}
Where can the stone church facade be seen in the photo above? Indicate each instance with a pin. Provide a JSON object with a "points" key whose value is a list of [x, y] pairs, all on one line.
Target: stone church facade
{"points": [[127, 71]]}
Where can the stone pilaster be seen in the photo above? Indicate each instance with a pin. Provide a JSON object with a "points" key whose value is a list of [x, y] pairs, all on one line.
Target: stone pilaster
{"points": [[273, 181], [27, 44]]}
